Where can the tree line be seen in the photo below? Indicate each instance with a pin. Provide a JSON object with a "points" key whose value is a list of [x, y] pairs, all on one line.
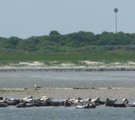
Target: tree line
{"points": [[74, 42]]}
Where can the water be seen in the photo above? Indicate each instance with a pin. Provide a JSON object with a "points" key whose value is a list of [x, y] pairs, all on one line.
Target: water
{"points": [[63, 113], [67, 79]]}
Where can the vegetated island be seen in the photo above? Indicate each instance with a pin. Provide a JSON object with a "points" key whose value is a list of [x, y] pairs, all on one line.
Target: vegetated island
{"points": [[80, 50]]}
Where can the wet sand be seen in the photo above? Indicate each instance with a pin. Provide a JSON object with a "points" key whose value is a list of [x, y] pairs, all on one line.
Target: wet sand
{"points": [[63, 93]]}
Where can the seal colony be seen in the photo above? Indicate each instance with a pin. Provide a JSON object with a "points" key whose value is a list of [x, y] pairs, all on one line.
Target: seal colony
{"points": [[30, 101], [67, 97]]}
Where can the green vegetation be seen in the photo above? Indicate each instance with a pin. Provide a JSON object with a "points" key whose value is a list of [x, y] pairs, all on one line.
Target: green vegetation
{"points": [[107, 47]]}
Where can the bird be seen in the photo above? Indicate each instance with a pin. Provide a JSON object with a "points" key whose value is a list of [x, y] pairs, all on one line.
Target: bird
{"points": [[36, 86]]}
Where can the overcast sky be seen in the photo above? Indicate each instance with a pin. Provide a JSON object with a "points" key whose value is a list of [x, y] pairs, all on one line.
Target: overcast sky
{"points": [[25, 18]]}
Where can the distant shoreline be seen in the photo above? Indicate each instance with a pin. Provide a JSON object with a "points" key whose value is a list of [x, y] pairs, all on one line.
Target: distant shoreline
{"points": [[65, 69], [86, 66]]}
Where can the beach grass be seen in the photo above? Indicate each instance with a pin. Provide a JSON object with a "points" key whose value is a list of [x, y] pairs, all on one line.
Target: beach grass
{"points": [[107, 57]]}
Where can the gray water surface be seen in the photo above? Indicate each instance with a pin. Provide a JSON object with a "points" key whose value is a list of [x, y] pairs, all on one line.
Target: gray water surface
{"points": [[67, 79], [63, 113]]}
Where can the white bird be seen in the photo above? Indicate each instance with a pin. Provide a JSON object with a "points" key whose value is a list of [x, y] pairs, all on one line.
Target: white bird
{"points": [[36, 86]]}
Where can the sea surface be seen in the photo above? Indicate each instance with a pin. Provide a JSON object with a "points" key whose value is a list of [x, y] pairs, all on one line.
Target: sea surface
{"points": [[67, 79], [69, 113]]}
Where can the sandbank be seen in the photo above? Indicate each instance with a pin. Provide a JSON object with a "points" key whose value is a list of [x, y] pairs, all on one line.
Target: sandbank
{"points": [[63, 93]]}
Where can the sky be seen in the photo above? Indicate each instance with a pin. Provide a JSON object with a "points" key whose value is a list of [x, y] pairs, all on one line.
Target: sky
{"points": [[26, 18]]}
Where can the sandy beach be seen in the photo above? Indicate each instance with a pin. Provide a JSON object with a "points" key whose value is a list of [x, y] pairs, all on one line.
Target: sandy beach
{"points": [[63, 93], [69, 66]]}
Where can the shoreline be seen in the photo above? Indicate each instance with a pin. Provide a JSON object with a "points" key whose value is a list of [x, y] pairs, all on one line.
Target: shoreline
{"points": [[63, 93], [68, 66], [62, 69]]}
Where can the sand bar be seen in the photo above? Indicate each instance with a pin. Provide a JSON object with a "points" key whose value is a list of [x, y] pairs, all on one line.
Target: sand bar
{"points": [[63, 93]]}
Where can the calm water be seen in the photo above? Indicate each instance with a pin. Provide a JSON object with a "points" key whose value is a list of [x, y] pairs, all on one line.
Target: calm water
{"points": [[56, 113], [67, 79]]}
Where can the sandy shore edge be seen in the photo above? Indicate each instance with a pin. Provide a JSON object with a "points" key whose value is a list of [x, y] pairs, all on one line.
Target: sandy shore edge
{"points": [[62, 69], [85, 65], [63, 93]]}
